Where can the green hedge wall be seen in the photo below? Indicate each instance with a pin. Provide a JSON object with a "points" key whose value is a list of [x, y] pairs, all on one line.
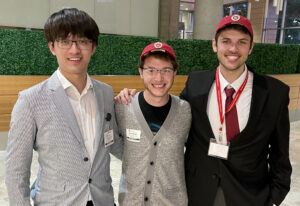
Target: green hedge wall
{"points": [[265, 58], [275, 58], [118, 55], [26, 53], [194, 55]]}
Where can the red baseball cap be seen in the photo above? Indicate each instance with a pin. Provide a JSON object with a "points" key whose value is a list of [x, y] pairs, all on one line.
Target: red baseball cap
{"points": [[158, 46], [235, 19]]}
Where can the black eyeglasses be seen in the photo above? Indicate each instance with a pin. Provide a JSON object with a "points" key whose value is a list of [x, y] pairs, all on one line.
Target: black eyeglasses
{"points": [[81, 43]]}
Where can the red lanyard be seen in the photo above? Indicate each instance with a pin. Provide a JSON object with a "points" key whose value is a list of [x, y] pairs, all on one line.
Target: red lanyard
{"points": [[219, 96]]}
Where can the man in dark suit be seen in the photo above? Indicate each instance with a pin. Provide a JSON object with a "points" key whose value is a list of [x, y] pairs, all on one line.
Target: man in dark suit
{"points": [[237, 152]]}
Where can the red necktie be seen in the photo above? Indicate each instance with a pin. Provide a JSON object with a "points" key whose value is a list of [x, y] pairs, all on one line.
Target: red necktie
{"points": [[232, 123]]}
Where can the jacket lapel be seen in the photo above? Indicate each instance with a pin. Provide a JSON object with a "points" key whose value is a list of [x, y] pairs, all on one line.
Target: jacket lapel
{"points": [[259, 96], [100, 118], [64, 107], [202, 100]]}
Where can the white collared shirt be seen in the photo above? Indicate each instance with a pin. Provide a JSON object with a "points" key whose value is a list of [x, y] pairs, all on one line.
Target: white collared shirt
{"points": [[242, 105], [85, 109]]}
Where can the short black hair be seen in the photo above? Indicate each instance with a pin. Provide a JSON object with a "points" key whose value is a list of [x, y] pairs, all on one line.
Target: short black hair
{"points": [[71, 21]]}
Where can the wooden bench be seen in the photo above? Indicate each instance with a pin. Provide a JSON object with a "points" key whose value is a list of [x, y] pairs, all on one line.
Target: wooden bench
{"points": [[10, 86]]}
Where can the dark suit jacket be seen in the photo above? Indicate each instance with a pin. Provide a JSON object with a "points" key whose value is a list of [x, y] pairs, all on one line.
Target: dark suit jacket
{"points": [[258, 168]]}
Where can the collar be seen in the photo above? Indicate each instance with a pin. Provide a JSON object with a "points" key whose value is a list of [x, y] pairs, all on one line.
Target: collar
{"points": [[66, 83], [236, 84]]}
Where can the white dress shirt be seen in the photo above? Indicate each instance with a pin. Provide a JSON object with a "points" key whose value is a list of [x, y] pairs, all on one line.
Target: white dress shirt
{"points": [[242, 105], [85, 109]]}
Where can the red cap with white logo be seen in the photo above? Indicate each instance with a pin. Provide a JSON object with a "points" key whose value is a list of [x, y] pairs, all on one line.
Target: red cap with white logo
{"points": [[158, 46], [235, 19]]}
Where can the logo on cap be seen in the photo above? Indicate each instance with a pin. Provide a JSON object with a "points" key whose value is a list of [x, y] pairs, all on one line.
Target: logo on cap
{"points": [[235, 17], [158, 45]]}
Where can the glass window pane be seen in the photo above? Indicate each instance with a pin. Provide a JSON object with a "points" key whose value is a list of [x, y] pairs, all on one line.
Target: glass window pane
{"points": [[292, 18], [292, 36], [239, 8]]}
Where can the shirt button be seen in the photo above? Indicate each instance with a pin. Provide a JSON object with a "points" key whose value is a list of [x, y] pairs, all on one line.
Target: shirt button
{"points": [[155, 143], [86, 159], [90, 180], [151, 163], [148, 182], [146, 199]]}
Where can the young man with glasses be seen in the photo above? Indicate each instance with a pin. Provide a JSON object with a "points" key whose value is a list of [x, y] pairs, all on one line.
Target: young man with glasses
{"points": [[68, 120], [155, 127]]}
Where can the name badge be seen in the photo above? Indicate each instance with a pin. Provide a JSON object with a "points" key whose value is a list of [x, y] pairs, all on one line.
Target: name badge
{"points": [[218, 150], [133, 135], [108, 138]]}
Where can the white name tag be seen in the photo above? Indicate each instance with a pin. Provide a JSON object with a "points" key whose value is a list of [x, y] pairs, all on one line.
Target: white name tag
{"points": [[108, 138], [218, 150], [133, 135]]}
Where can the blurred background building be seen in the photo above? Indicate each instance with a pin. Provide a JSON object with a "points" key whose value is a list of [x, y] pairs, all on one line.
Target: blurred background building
{"points": [[274, 21]]}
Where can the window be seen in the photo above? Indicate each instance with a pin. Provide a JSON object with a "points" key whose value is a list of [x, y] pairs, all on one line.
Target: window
{"points": [[186, 20], [238, 8], [283, 28]]}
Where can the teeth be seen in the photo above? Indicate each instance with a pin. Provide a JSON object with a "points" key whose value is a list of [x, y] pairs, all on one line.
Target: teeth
{"points": [[74, 59], [232, 57], [159, 86]]}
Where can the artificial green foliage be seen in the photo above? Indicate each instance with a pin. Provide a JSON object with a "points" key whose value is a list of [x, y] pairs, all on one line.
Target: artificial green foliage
{"points": [[118, 55], [274, 58], [26, 53], [265, 58], [194, 55]]}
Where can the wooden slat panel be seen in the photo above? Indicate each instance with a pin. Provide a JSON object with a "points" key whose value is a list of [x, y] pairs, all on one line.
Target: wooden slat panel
{"points": [[294, 104], [15, 84], [6, 103], [11, 85], [289, 79], [4, 122], [294, 92]]}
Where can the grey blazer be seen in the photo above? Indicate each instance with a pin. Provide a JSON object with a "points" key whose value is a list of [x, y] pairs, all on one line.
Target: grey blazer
{"points": [[43, 120]]}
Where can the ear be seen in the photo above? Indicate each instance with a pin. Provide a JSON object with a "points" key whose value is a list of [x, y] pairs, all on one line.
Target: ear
{"points": [[51, 47], [141, 73], [94, 48], [214, 45], [174, 73], [251, 48]]}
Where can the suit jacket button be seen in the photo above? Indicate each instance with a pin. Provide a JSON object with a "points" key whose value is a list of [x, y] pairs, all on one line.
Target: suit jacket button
{"points": [[146, 199], [90, 180], [151, 163], [148, 182], [214, 176], [155, 143], [86, 159]]}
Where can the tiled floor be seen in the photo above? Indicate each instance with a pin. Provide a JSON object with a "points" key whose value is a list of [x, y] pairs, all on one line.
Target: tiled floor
{"points": [[293, 198]]}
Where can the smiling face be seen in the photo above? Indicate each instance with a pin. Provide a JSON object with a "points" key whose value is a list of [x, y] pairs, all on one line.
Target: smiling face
{"points": [[158, 84], [232, 47], [72, 61]]}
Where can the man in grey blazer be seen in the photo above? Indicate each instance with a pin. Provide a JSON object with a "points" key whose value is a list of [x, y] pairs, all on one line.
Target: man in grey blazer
{"points": [[68, 120]]}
